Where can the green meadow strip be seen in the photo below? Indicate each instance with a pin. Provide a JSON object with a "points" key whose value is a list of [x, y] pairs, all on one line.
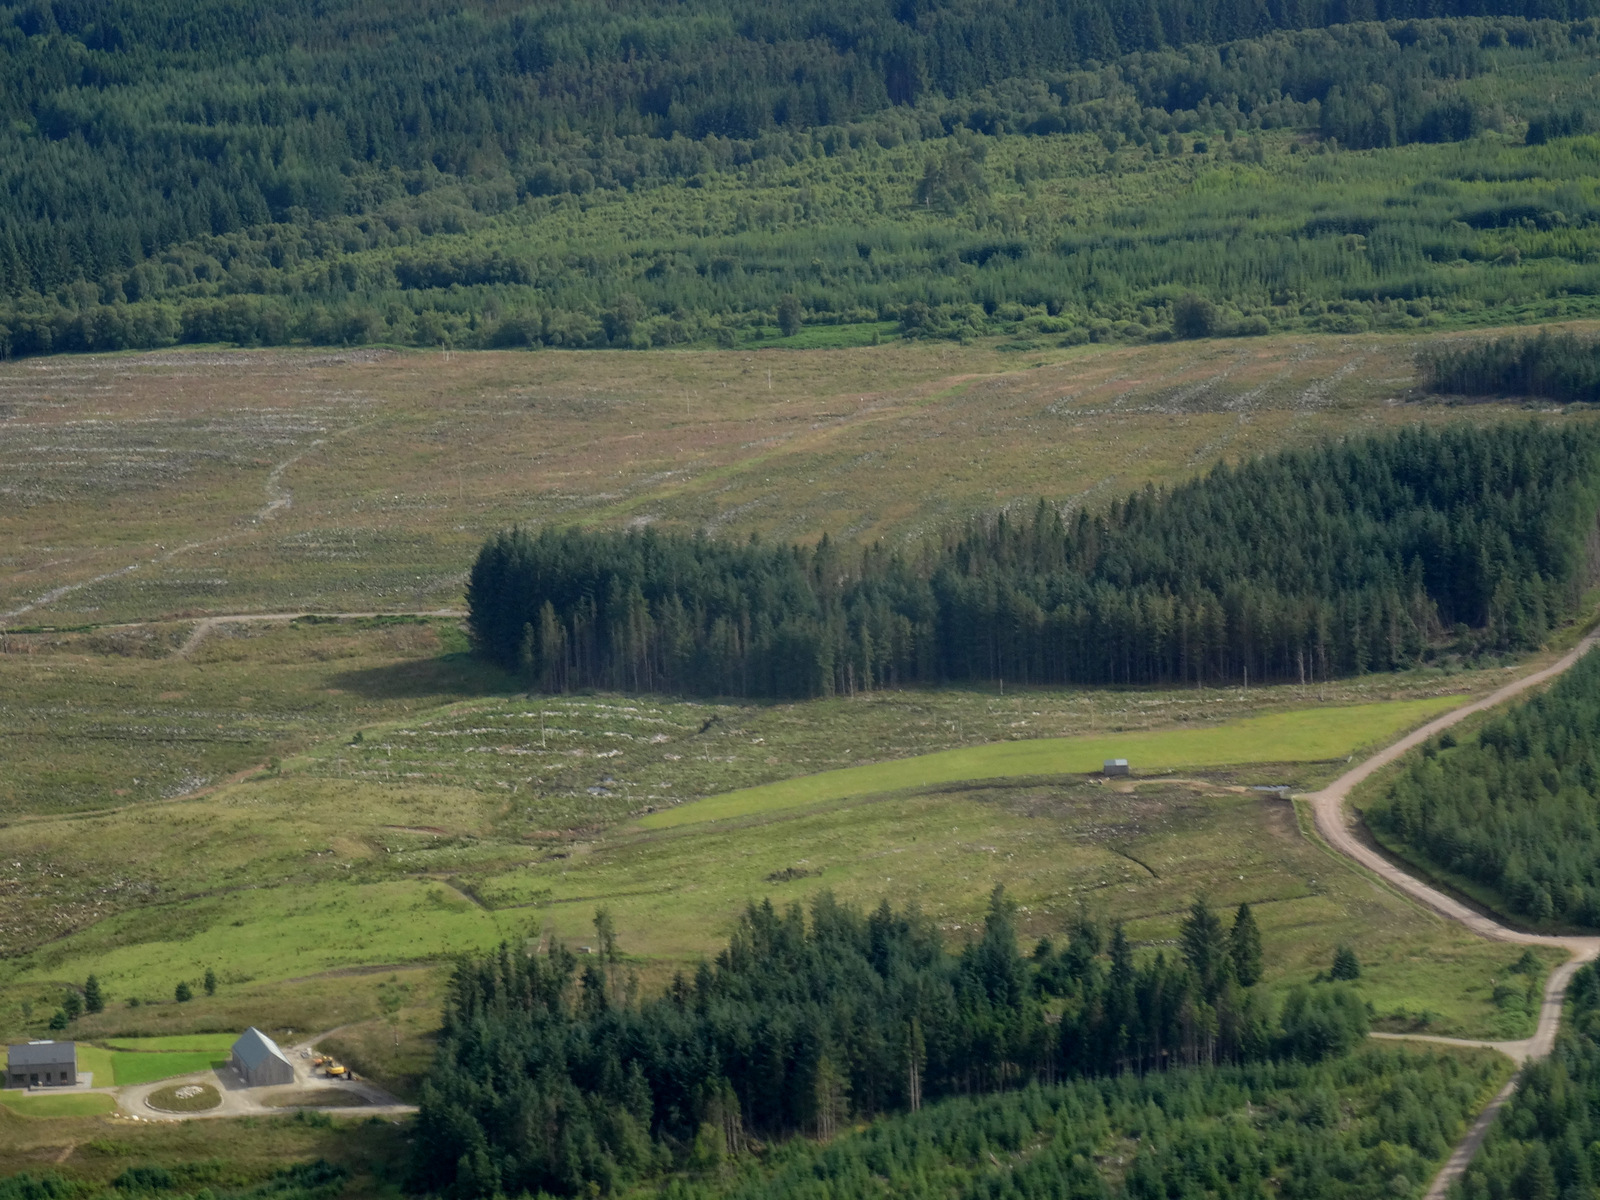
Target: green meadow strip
{"points": [[1304, 735]]}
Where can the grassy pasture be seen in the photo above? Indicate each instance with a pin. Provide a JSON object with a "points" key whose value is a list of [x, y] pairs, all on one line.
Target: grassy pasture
{"points": [[98, 1061], [1308, 735], [274, 933], [129, 1067], [68, 1105], [1056, 843], [405, 849], [437, 789], [1137, 853]]}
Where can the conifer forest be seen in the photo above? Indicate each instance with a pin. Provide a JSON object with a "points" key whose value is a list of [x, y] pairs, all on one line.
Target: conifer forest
{"points": [[637, 175], [1309, 565]]}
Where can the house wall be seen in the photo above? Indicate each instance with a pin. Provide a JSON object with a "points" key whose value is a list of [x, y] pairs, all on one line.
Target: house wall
{"points": [[54, 1074]]}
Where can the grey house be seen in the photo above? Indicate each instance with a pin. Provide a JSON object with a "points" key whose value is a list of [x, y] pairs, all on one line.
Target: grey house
{"points": [[258, 1060], [42, 1063]]}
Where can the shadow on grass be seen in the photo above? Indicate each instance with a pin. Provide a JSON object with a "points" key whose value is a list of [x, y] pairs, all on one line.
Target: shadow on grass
{"points": [[447, 677]]}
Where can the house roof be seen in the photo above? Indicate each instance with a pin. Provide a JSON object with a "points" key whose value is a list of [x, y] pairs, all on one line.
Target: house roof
{"points": [[38, 1054], [255, 1047]]}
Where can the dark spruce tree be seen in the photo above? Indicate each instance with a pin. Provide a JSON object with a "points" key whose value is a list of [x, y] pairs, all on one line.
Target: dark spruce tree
{"points": [[1244, 947]]}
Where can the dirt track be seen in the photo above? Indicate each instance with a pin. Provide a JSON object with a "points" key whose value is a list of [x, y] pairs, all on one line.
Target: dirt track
{"points": [[1334, 824]]}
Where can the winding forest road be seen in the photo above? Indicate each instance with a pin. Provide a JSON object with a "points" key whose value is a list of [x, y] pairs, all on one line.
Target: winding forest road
{"points": [[1335, 825]]}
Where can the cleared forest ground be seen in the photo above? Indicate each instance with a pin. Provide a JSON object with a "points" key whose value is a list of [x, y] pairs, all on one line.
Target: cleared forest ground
{"points": [[184, 483], [323, 810]]}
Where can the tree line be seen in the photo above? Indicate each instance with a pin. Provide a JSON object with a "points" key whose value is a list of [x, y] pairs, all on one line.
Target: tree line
{"points": [[1372, 1123], [1552, 366], [347, 190], [1516, 808], [548, 1078], [1345, 558]]}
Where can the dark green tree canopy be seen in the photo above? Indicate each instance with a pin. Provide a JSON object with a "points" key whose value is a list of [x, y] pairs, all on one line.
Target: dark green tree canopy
{"points": [[1332, 561], [552, 1078], [335, 173], [1517, 808], [1244, 947]]}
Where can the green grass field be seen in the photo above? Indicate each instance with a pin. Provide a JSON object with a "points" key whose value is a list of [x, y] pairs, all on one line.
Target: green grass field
{"points": [[134, 1067], [276, 933], [1307, 736], [98, 1061], [57, 1106], [384, 867], [411, 844]]}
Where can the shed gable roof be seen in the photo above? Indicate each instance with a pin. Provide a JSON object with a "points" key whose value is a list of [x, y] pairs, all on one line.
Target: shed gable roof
{"points": [[254, 1047]]}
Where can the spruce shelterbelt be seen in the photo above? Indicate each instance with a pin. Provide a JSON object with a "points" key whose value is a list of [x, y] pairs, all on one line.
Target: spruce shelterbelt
{"points": [[1561, 367], [548, 1080], [1352, 557]]}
